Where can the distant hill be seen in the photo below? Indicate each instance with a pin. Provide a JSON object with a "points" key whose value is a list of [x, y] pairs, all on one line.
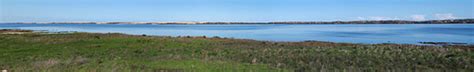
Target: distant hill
{"points": [[453, 21]]}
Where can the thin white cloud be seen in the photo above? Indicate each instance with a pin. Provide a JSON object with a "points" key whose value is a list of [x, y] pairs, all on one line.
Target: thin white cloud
{"points": [[361, 18], [418, 17], [445, 16]]}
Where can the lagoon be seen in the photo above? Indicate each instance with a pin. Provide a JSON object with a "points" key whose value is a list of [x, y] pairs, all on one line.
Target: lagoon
{"points": [[347, 33]]}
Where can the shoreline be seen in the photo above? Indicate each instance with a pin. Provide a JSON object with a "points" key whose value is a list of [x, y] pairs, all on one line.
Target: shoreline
{"points": [[453, 21], [422, 43]]}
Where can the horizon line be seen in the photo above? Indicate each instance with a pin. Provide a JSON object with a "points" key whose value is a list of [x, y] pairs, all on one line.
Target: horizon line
{"points": [[245, 21]]}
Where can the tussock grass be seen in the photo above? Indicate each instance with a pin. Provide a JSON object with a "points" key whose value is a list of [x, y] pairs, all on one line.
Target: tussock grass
{"points": [[119, 52]]}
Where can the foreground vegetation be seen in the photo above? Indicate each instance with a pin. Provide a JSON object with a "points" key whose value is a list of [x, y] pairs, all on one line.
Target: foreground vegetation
{"points": [[26, 51]]}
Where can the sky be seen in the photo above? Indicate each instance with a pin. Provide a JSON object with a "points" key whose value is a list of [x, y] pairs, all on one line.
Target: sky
{"points": [[232, 10]]}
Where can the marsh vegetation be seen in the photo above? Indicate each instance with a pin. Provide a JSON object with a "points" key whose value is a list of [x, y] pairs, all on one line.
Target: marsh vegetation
{"points": [[120, 52]]}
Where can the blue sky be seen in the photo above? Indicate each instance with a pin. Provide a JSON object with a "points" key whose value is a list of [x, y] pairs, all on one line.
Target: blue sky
{"points": [[231, 10]]}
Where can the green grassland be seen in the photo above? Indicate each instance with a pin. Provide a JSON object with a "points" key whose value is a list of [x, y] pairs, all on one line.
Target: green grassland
{"points": [[118, 52]]}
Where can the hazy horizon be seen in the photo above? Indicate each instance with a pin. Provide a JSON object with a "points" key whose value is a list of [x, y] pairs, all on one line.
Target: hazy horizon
{"points": [[230, 10]]}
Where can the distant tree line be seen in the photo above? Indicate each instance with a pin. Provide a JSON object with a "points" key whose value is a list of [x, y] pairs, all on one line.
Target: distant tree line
{"points": [[453, 21]]}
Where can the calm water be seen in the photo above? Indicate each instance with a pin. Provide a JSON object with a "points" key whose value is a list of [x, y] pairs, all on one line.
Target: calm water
{"points": [[373, 33]]}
